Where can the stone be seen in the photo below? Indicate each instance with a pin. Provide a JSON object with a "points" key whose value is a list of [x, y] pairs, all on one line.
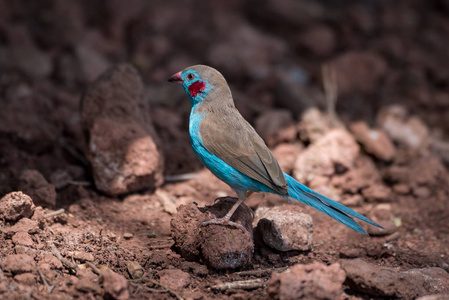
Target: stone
{"points": [[23, 225], [33, 183], [22, 238], [135, 270], [25, 278], [174, 279], [18, 263], [377, 193], [86, 286], [276, 126], [402, 128], [219, 246], [387, 282], [285, 228], [123, 144], [313, 125], [16, 205], [314, 281], [333, 153], [374, 141], [115, 285], [82, 256]]}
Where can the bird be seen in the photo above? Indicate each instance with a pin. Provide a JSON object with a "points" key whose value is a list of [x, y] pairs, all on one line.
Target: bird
{"points": [[232, 150]]}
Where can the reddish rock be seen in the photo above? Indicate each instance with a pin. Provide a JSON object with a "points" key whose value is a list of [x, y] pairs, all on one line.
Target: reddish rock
{"points": [[18, 263], [34, 184], [276, 126], [22, 238], [359, 72], [314, 281], [377, 193], [16, 205], [115, 285], [285, 228], [24, 225], [174, 279], [220, 246], [389, 282], [410, 131], [227, 247], [123, 145], [87, 286], [25, 278], [318, 39], [333, 153], [313, 125], [374, 141]]}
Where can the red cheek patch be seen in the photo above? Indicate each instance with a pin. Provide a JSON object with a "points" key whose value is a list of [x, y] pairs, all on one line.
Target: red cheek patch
{"points": [[196, 87]]}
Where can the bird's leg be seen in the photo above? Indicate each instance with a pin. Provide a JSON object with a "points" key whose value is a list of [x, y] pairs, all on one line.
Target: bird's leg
{"points": [[226, 220]]}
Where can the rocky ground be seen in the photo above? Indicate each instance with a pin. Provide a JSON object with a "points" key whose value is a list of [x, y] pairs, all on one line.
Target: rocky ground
{"points": [[101, 194]]}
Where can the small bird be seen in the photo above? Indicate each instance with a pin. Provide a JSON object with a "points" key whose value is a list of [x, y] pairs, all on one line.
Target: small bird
{"points": [[233, 151]]}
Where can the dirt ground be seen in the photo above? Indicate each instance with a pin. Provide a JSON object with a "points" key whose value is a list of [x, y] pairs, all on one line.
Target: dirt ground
{"points": [[71, 229]]}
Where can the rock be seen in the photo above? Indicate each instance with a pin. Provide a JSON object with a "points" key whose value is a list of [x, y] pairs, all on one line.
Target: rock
{"points": [[434, 297], [276, 126], [174, 279], [115, 285], [377, 193], [128, 235], [285, 228], [410, 131], [33, 183], [82, 256], [22, 238], [135, 270], [87, 286], [314, 281], [313, 125], [358, 72], [185, 230], [220, 246], [333, 153], [389, 282], [123, 145], [18, 263], [24, 225], [374, 141], [388, 225], [25, 278], [16, 205], [227, 247], [52, 262], [318, 39]]}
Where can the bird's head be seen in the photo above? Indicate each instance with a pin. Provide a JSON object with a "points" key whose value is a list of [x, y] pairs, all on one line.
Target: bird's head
{"points": [[202, 83]]}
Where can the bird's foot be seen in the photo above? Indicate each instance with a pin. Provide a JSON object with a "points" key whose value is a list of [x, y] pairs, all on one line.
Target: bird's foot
{"points": [[224, 222]]}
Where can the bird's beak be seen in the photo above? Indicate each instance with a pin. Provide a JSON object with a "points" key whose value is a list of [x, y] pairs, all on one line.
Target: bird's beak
{"points": [[176, 78]]}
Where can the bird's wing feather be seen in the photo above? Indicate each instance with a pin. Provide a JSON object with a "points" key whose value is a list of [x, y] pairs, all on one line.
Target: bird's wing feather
{"points": [[228, 136]]}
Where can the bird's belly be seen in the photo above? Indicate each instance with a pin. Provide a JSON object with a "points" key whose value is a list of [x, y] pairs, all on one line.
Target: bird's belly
{"points": [[234, 178]]}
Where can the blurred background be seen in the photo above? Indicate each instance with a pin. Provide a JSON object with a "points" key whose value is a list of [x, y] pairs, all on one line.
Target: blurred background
{"points": [[274, 54]]}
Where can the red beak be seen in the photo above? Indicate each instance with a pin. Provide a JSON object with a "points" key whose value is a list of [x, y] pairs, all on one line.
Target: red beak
{"points": [[176, 78]]}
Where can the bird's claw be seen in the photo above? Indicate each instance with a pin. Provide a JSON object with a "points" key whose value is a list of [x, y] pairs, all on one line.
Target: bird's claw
{"points": [[224, 222]]}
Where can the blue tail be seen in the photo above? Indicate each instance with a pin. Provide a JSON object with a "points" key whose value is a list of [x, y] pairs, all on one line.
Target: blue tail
{"points": [[328, 206]]}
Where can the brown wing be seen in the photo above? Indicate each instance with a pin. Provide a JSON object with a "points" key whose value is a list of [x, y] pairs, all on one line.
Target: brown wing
{"points": [[230, 137]]}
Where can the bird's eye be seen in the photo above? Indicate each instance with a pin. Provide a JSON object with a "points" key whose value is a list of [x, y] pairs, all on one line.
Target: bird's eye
{"points": [[190, 76]]}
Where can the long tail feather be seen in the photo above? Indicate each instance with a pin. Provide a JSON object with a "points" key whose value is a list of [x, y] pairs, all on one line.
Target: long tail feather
{"points": [[328, 206]]}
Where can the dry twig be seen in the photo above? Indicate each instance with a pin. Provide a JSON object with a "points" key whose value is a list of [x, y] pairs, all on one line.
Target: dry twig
{"points": [[49, 288], [243, 284], [54, 213]]}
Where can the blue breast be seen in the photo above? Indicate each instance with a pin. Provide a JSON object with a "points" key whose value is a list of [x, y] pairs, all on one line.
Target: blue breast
{"points": [[234, 178]]}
